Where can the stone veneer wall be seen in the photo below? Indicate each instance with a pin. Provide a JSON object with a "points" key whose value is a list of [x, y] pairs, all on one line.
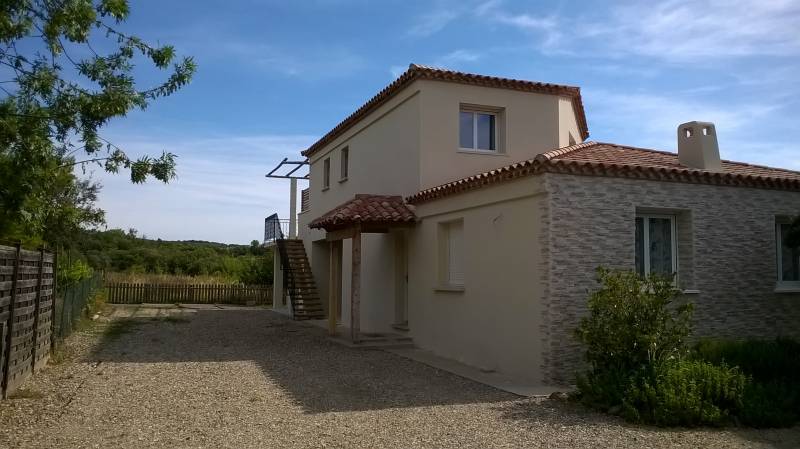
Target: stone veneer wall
{"points": [[726, 239]]}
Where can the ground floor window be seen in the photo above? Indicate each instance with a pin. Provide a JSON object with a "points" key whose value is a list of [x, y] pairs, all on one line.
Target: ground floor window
{"points": [[656, 245], [451, 253], [788, 258]]}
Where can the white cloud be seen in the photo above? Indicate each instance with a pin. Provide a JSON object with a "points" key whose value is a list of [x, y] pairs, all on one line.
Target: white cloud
{"points": [[397, 70], [221, 193], [307, 62], [687, 30], [674, 31], [457, 57], [433, 22], [650, 121]]}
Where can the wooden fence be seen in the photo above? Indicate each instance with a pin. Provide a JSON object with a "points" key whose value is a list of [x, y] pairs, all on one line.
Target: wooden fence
{"points": [[26, 313], [127, 293]]}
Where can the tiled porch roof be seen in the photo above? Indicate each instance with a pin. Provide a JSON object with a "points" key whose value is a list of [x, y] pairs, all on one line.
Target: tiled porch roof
{"points": [[608, 159], [366, 209]]}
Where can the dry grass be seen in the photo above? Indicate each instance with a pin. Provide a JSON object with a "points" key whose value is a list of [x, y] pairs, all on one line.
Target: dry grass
{"points": [[26, 393], [172, 279]]}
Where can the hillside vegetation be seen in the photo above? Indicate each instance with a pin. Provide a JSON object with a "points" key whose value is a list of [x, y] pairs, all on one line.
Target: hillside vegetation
{"points": [[117, 251]]}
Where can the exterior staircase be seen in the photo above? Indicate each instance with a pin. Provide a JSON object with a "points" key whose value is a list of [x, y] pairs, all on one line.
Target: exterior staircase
{"points": [[298, 281]]}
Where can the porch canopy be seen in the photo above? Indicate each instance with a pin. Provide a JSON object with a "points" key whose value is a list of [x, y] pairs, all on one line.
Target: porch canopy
{"points": [[364, 213]]}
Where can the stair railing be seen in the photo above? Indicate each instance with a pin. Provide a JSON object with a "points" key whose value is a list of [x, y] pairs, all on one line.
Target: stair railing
{"points": [[275, 229], [289, 282]]}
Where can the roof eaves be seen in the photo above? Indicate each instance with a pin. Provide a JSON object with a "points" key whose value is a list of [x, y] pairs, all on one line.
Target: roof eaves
{"points": [[557, 161], [417, 71]]}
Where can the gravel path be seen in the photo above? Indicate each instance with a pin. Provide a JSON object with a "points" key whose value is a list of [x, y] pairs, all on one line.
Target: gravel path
{"points": [[250, 379]]}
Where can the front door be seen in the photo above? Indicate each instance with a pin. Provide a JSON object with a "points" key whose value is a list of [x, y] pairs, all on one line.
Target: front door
{"points": [[401, 279]]}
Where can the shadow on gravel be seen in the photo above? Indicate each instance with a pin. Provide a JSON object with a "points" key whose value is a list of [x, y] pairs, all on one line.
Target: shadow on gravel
{"points": [[320, 375]]}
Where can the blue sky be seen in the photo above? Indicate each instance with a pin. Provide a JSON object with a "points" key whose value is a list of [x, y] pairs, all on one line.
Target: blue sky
{"points": [[275, 75]]}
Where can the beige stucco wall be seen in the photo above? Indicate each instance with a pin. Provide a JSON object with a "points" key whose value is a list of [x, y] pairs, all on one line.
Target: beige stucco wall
{"points": [[529, 125], [383, 159], [408, 144], [384, 156], [726, 238], [494, 323], [567, 123]]}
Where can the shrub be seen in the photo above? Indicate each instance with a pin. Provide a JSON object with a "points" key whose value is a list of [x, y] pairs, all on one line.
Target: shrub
{"points": [[773, 398], [771, 404], [631, 325], [685, 392], [765, 360], [639, 366]]}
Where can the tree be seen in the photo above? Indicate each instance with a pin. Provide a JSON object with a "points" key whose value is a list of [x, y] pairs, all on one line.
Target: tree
{"points": [[59, 92]]}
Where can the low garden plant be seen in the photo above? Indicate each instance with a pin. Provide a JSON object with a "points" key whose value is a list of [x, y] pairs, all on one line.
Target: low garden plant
{"points": [[641, 366], [772, 397]]}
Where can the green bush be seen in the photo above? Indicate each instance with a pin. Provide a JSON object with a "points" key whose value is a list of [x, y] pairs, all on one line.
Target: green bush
{"points": [[632, 324], [765, 360], [685, 392], [639, 365], [773, 398]]}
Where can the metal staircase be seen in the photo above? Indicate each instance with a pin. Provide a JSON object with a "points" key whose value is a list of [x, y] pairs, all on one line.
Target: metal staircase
{"points": [[298, 280]]}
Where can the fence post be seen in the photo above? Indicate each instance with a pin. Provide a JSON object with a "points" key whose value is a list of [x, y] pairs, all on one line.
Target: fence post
{"points": [[36, 308], [10, 325], [55, 301]]}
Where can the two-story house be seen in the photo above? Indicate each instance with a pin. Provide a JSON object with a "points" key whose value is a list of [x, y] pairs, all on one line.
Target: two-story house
{"points": [[468, 212]]}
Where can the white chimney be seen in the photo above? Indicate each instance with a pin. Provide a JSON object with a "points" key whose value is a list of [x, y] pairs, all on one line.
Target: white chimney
{"points": [[697, 146]]}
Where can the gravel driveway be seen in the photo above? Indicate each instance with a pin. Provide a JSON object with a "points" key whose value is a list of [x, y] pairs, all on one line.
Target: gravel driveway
{"points": [[248, 378]]}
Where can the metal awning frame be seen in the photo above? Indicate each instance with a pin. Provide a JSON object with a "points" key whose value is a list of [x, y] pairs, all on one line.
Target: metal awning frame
{"points": [[297, 165]]}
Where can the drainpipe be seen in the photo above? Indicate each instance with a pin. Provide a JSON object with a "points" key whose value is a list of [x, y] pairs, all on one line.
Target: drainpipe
{"points": [[293, 210]]}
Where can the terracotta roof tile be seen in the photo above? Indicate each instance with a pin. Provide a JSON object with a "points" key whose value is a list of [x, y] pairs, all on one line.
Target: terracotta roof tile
{"points": [[366, 209], [416, 71], [607, 159]]}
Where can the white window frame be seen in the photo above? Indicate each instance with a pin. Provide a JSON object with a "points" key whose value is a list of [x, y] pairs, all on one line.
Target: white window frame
{"points": [[780, 284], [646, 243], [475, 112], [326, 173]]}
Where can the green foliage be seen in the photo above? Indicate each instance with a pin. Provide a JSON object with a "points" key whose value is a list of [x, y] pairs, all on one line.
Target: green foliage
{"points": [[685, 392], [772, 399], [640, 367], [59, 93], [70, 272], [631, 325], [119, 251]]}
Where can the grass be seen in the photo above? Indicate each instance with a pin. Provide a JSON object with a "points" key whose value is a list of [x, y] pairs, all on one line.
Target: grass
{"points": [[171, 319], [26, 393], [118, 328], [168, 279]]}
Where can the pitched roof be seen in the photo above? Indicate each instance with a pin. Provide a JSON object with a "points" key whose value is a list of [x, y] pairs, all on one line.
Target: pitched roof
{"points": [[416, 71], [366, 209], [608, 159]]}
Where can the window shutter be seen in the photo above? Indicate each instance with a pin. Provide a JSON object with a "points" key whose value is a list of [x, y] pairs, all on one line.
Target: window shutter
{"points": [[455, 248]]}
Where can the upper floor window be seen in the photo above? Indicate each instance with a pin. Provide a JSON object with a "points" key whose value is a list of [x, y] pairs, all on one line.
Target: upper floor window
{"points": [[477, 130], [345, 163], [788, 258], [656, 245], [326, 175]]}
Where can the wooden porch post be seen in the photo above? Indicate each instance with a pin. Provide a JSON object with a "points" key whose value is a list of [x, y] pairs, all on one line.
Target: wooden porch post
{"points": [[332, 295], [355, 286]]}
